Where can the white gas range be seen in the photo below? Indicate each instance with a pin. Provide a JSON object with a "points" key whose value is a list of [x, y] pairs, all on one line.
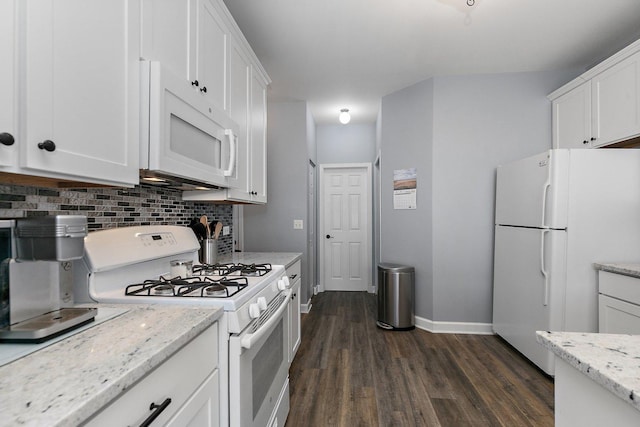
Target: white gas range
{"points": [[134, 265]]}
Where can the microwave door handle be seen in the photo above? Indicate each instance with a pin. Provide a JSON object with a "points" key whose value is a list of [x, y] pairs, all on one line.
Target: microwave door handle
{"points": [[247, 340], [232, 152]]}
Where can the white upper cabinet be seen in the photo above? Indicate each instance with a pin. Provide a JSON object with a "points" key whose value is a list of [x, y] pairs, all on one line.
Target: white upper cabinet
{"points": [[602, 106], [8, 114], [572, 118], [616, 102], [258, 180], [190, 39], [210, 60], [70, 91], [81, 96], [246, 103]]}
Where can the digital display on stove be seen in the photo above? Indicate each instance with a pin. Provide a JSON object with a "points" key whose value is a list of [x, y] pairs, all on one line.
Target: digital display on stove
{"points": [[156, 237]]}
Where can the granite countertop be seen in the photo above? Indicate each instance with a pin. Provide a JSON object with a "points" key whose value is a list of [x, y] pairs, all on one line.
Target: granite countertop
{"points": [[66, 382], [628, 269], [274, 258], [611, 360]]}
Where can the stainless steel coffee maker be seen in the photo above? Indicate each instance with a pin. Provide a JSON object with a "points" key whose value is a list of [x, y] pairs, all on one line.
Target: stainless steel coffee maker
{"points": [[36, 281]]}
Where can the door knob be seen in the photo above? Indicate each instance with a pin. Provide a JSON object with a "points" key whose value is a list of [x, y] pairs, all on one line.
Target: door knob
{"points": [[329, 236]]}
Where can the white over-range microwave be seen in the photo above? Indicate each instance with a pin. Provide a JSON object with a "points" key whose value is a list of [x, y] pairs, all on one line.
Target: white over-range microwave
{"points": [[185, 141]]}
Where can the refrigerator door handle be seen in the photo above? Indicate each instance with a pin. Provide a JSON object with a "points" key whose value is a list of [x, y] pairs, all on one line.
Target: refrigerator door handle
{"points": [[545, 190], [543, 269]]}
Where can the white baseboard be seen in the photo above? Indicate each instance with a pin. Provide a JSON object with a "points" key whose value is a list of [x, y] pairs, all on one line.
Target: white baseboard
{"points": [[454, 327], [305, 308]]}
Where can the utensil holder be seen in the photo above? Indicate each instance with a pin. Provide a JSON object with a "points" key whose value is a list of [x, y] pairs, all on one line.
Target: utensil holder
{"points": [[208, 253]]}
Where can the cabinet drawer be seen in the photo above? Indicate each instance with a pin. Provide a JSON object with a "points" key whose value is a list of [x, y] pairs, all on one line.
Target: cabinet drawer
{"points": [[294, 271], [617, 317], [619, 286], [177, 378]]}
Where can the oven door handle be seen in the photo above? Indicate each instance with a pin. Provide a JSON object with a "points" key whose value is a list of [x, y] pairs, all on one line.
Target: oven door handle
{"points": [[247, 340]]}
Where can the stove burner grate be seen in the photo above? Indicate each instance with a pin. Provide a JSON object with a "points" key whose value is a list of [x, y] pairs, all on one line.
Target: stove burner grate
{"points": [[233, 269], [197, 286]]}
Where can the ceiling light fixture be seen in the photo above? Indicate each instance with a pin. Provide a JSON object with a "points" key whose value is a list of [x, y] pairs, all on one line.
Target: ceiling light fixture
{"points": [[344, 116], [471, 2]]}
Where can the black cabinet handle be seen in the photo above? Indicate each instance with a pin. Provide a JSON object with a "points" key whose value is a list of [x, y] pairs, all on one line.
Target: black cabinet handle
{"points": [[157, 410], [203, 89], [585, 142], [6, 138], [593, 138], [195, 83], [47, 145], [293, 276]]}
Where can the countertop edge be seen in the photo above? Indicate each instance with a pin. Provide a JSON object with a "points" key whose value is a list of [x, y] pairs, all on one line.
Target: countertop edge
{"points": [[626, 269], [549, 341], [100, 400]]}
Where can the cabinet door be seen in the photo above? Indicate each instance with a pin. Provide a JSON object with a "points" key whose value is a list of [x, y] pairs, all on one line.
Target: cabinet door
{"points": [[82, 89], [167, 35], [203, 407], [8, 118], [572, 118], [258, 140], [211, 55], [294, 320], [616, 102], [239, 72]]}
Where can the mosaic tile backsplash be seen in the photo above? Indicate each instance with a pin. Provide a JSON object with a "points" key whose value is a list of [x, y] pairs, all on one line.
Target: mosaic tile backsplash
{"points": [[113, 207]]}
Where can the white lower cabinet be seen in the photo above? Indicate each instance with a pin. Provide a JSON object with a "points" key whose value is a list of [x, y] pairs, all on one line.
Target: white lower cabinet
{"points": [[187, 385], [618, 303], [294, 310]]}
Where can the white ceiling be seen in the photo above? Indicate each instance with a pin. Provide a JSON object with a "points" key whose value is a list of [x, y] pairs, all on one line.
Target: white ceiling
{"points": [[350, 53]]}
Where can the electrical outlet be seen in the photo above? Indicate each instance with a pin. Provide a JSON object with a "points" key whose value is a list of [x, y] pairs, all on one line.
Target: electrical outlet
{"points": [[226, 230], [297, 224]]}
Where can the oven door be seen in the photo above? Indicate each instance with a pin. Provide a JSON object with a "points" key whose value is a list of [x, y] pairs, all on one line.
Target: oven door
{"points": [[182, 134], [258, 366]]}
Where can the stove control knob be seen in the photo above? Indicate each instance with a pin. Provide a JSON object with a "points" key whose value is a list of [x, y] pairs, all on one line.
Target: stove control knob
{"points": [[284, 283], [262, 303], [254, 311]]}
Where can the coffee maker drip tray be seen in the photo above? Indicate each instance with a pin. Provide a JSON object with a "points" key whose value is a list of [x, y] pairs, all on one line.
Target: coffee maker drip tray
{"points": [[46, 326]]}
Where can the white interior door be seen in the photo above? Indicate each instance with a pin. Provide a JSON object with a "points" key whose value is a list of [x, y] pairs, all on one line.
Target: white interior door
{"points": [[312, 230], [345, 261]]}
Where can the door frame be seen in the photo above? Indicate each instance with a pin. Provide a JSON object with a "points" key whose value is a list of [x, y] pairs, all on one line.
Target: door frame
{"points": [[369, 214]]}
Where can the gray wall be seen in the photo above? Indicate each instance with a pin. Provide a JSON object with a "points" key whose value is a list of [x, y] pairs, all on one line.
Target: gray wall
{"points": [[351, 143], [270, 227], [407, 141], [456, 130]]}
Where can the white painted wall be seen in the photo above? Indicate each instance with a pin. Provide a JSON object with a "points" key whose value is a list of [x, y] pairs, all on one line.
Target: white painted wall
{"points": [[270, 227], [456, 130], [351, 143]]}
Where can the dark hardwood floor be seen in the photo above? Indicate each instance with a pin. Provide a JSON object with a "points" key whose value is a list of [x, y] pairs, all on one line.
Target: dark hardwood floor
{"points": [[348, 372]]}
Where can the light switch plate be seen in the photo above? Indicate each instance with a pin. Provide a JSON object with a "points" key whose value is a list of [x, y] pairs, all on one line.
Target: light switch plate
{"points": [[298, 224], [225, 230]]}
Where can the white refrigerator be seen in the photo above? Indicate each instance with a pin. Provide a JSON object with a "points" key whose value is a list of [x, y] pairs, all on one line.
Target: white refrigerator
{"points": [[556, 214]]}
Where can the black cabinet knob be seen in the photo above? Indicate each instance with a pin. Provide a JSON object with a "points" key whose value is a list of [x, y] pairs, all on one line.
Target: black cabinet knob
{"points": [[195, 83], [47, 145], [585, 142], [6, 138], [593, 138], [203, 89]]}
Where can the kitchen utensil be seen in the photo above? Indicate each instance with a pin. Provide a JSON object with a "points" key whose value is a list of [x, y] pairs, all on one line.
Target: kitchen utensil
{"points": [[217, 230], [205, 221], [200, 231], [208, 253]]}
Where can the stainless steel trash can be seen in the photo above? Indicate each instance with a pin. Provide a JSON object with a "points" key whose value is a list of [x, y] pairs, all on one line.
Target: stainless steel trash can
{"points": [[396, 289]]}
